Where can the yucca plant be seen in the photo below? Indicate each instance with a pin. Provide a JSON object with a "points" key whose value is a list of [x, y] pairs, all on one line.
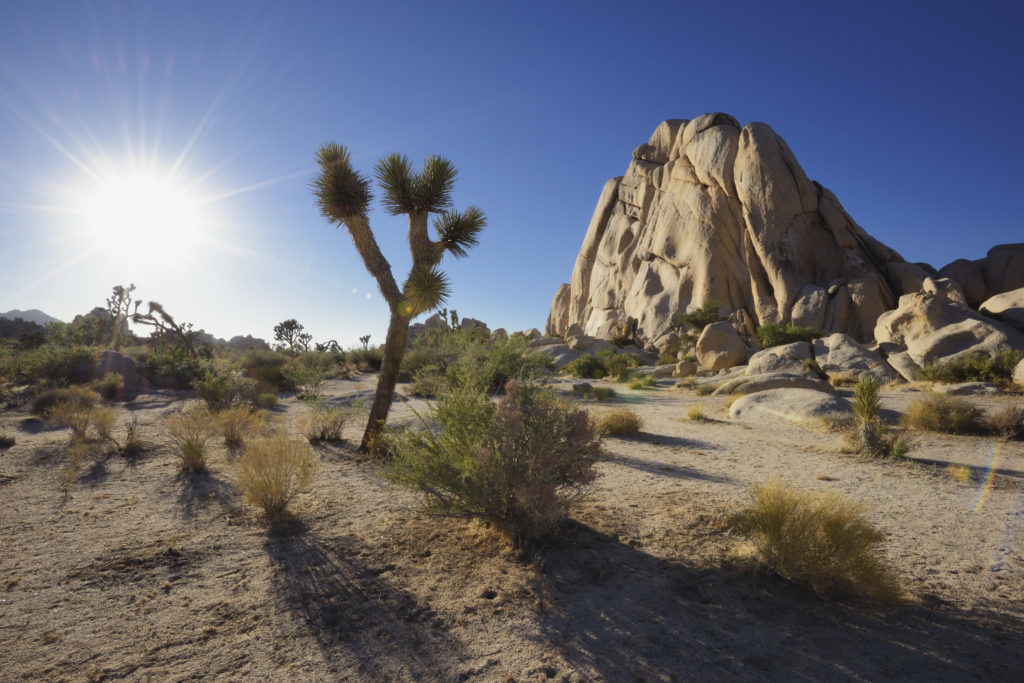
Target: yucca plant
{"points": [[343, 195]]}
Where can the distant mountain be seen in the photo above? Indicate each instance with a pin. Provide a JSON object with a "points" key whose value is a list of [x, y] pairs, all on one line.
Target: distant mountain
{"points": [[33, 316]]}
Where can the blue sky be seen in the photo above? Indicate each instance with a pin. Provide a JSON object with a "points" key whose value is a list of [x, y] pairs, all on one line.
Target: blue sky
{"points": [[907, 111]]}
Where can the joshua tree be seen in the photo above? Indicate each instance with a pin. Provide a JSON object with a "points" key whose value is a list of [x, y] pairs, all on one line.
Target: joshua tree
{"points": [[119, 305], [344, 197], [165, 326], [290, 332]]}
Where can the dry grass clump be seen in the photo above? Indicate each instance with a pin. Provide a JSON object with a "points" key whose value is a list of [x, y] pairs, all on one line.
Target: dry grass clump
{"points": [[619, 422], [818, 538], [237, 423], [77, 417], [6, 441], [643, 382], [189, 431], [76, 395], [696, 413], [1009, 422], [960, 473], [327, 424], [942, 413], [273, 470]]}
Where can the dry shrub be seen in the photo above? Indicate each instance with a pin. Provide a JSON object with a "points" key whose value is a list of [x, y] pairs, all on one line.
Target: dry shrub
{"points": [[273, 470], [1009, 422], [6, 441], [941, 413], [602, 393], [267, 401], [110, 386], [961, 473], [189, 431], [843, 378], [133, 443], [103, 421], [78, 451], [519, 464], [619, 422], [327, 424], [696, 413], [238, 422], [819, 538], [73, 415], [77, 395]]}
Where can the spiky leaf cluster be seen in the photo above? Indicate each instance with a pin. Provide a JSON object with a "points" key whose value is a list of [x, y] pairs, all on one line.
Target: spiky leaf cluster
{"points": [[458, 232], [341, 191], [405, 191], [425, 289]]}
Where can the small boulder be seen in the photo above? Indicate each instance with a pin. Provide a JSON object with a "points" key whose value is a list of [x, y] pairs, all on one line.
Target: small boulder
{"points": [[533, 333], [580, 342], [901, 362], [499, 335], [663, 371], [685, 368], [545, 341], [472, 324], [795, 405], [719, 347], [575, 330], [602, 345]]}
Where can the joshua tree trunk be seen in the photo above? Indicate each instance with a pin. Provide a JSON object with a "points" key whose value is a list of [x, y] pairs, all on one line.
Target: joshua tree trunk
{"points": [[394, 350]]}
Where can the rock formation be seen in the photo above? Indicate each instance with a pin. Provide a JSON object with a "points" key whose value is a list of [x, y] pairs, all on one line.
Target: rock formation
{"points": [[711, 210]]}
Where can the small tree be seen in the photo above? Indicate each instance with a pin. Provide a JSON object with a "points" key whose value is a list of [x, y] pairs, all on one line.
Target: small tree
{"points": [[290, 332], [343, 195]]}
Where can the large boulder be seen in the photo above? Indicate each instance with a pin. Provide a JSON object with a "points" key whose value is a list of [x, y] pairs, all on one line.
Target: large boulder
{"points": [[1001, 270], [1018, 373], [720, 347], [1008, 307], [772, 380], [111, 361], [786, 358], [838, 353], [933, 328], [795, 405], [709, 209]]}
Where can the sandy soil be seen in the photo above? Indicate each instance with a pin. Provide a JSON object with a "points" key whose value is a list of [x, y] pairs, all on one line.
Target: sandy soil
{"points": [[140, 573]]}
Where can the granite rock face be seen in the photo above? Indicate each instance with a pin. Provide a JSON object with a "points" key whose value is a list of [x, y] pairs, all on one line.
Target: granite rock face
{"points": [[712, 210]]}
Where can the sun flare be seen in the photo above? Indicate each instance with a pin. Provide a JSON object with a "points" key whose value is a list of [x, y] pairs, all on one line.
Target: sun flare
{"points": [[143, 214]]}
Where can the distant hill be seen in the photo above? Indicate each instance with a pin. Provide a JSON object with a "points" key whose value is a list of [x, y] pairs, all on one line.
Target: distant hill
{"points": [[33, 316]]}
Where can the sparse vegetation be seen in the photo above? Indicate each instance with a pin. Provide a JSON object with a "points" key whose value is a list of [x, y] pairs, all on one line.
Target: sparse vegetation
{"points": [[940, 413], [190, 430], [78, 396], [1009, 421], [643, 382], [777, 334], [6, 441], [325, 423], [619, 422], [110, 386], [976, 367], [818, 538], [272, 471], [602, 393], [519, 464], [238, 423], [695, 413]]}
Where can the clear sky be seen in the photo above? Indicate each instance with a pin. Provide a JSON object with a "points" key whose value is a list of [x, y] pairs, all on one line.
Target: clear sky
{"points": [[170, 144]]}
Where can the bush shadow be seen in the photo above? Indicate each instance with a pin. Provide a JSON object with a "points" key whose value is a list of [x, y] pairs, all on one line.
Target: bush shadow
{"points": [[664, 469], [199, 489], [365, 626], [617, 613]]}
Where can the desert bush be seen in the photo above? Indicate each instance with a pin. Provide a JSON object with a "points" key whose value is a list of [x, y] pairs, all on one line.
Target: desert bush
{"points": [[619, 366], [866, 402], [6, 441], [55, 364], [76, 395], [602, 393], [940, 413], [133, 443], [777, 334], [704, 389], [643, 382], [429, 382], [819, 538], [867, 434], [975, 367], [109, 386], [238, 423], [325, 423], [368, 359], [586, 366], [696, 413], [219, 390], [190, 430], [619, 422], [519, 464], [172, 368], [273, 470], [492, 366], [1009, 422], [72, 415], [700, 318], [267, 368], [103, 421], [266, 401]]}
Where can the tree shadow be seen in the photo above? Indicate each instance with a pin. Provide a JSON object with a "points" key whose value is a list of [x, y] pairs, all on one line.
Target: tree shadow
{"points": [[365, 626], [617, 613], [199, 489], [978, 472], [665, 469]]}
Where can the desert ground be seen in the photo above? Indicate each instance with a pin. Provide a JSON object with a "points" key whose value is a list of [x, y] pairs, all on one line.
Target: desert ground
{"points": [[138, 572]]}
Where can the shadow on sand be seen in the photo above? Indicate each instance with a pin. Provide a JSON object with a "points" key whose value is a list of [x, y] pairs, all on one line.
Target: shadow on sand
{"points": [[620, 614], [365, 626]]}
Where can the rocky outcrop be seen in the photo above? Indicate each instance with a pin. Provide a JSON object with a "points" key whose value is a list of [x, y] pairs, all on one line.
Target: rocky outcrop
{"points": [[838, 354], [1000, 271], [933, 328], [1008, 307], [712, 210]]}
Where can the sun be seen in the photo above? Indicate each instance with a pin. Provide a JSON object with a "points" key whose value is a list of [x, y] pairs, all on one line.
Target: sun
{"points": [[143, 214]]}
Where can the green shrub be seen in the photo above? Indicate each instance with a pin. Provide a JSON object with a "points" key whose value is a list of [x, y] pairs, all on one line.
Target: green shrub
{"points": [[940, 413], [174, 369], [53, 364], [218, 390], [364, 360], [519, 464], [619, 365], [643, 382], [189, 431], [110, 386], [866, 402], [429, 382], [619, 422], [267, 368], [586, 366], [700, 318], [975, 367], [777, 334], [273, 471], [494, 365], [818, 538]]}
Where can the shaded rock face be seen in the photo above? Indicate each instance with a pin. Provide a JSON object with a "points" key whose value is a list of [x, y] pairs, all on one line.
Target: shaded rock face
{"points": [[711, 210], [1000, 271]]}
